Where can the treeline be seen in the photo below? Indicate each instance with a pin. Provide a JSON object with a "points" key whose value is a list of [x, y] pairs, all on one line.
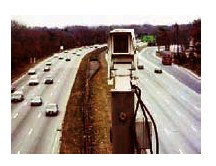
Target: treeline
{"points": [[27, 42], [179, 34], [40, 42], [188, 37]]}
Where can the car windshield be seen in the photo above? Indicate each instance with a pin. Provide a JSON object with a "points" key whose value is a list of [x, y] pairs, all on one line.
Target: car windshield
{"points": [[37, 98], [51, 106], [16, 95]]}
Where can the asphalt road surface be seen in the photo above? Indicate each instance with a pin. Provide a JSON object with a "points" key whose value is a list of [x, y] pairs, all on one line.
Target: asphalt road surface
{"points": [[31, 130], [174, 100]]}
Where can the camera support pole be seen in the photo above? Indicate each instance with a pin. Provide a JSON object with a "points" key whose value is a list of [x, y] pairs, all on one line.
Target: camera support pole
{"points": [[122, 112]]}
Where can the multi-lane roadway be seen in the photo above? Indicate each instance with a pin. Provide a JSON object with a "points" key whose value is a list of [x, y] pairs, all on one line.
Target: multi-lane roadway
{"points": [[174, 99], [31, 130]]}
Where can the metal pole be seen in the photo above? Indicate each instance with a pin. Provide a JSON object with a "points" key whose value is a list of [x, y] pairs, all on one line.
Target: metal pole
{"points": [[122, 122]]}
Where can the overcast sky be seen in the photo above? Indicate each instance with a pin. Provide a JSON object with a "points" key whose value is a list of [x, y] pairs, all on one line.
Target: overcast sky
{"points": [[91, 20]]}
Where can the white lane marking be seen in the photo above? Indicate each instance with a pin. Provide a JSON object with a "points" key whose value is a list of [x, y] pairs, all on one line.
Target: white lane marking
{"points": [[178, 113], [55, 143], [39, 115], [196, 108], [190, 103], [15, 116], [155, 115], [18, 152], [166, 131], [181, 152], [193, 128], [30, 131], [167, 101], [183, 98]]}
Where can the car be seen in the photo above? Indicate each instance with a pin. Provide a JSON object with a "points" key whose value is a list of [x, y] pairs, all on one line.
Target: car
{"points": [[60, 57], [78, 54], [33, 80], [140, 67], [48, 63], [13, 88], [36, 101], [46, 68], [52, 109], [55, 56], [73, 52], [48, 80], [158, 70], [17, 96], [65, 51], [31, 72], [67, 59]]}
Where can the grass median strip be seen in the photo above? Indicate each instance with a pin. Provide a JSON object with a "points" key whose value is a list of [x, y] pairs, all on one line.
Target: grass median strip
{"points": [[73, 127]]}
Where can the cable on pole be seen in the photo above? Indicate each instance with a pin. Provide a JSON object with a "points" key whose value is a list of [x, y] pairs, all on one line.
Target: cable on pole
{"points": [[145, 111]]}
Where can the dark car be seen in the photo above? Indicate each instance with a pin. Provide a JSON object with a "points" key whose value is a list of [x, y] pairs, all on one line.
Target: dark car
{"points": [[48, 63], [60, 57], [52, 109], [67, 59], [140, 67], [158, 70], [48, 80], [36, 101], [17, 96]]}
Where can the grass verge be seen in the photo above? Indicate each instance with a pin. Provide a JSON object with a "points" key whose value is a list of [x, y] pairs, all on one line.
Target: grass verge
{"points": [[72, 130]]}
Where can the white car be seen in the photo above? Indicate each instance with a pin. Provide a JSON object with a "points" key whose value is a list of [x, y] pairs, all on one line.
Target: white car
{"points": [[17, 96], [33, 80], [46, 68], [36, 101], [31, 72], [52, 109], [48, 63]]}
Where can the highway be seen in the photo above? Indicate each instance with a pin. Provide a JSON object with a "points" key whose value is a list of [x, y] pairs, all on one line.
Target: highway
{"points": [[31, 131], [174, 99]]}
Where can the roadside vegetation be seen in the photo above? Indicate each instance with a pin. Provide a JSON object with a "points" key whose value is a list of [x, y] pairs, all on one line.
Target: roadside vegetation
{"points": [[41, 42], [188, 38], [98, 108]]}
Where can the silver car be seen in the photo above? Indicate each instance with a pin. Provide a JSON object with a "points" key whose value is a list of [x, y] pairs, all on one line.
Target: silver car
{"points": [[31, 72], [33, 80], [52, 109], [17, 96], [36, 101]]}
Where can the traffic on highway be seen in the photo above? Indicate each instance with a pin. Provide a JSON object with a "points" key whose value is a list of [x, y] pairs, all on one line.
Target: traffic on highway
{"points": [[174, 99], [38, 102]]}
